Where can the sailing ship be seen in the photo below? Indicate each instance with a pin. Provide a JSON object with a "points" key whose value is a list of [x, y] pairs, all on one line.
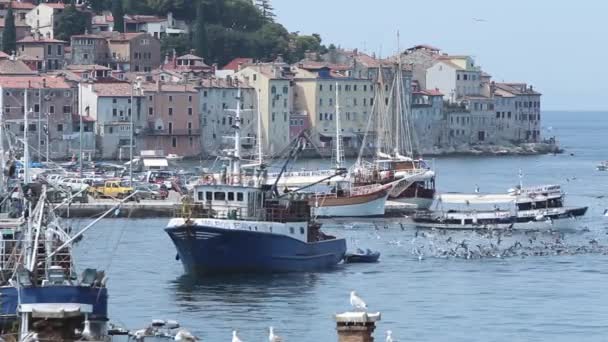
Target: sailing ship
{"points": [[393, 158], [232, 226], [522, 208]]}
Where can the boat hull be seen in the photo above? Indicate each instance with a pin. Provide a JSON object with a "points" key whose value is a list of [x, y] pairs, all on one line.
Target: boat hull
{"points": [[205, 250], [371, 205], [420, 203], [525, 220], [97, 297]]}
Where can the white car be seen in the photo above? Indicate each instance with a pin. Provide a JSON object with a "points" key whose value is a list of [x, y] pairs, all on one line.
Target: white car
{"points": [[73, 184]]}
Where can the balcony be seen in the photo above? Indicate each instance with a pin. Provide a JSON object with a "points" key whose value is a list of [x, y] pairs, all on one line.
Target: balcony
{"points": [[172, 132]]}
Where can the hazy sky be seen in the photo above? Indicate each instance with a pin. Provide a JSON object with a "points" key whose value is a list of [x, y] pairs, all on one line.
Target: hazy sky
{"points": [[559, 46]]}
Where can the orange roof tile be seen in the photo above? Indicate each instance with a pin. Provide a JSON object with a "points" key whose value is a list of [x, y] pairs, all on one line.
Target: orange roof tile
{"points": [[23, 82]]}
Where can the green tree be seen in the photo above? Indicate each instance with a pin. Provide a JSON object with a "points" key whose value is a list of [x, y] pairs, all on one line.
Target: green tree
{"points": [[181, 45], [9, 35], [200, 32], [266, 9], [118, 13], [71, 22], [271, 40]]}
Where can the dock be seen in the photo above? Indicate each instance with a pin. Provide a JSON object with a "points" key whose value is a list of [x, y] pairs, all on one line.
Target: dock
{"points": [[131, 209]]}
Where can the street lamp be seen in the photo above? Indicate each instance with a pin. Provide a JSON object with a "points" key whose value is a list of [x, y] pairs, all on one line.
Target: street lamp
{"points": [[134, 86]]}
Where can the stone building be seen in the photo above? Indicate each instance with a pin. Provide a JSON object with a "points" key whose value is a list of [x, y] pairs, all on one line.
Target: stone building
{"points": [[51, 52]]}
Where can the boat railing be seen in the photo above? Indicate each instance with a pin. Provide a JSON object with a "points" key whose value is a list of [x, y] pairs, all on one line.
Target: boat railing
{"points": [[304, 173], [364, 190]]}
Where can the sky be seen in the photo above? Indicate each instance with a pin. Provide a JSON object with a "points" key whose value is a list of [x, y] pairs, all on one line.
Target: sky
{"points": [[558, 46]]}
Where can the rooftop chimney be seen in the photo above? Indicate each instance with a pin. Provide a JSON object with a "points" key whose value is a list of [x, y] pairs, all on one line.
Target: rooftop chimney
{"points": [[356, 326]]}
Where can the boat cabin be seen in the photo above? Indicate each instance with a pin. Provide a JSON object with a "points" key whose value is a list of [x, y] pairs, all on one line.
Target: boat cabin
{"points": [[248, 203]]}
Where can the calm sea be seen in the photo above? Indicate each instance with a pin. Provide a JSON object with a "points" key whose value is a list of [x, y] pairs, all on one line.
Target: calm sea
{"points": [[523, 298]]}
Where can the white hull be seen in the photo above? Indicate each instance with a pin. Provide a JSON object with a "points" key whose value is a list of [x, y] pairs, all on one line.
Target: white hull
{"points": [[368, 209], [415, 202]]}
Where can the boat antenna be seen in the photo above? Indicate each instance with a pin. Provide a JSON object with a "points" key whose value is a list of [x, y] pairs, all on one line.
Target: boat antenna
{"points": [[26, 147]]}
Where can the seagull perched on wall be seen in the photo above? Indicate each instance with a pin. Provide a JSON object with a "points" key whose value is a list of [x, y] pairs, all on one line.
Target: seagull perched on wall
{"points": [[357, 302], [389, 336], [235, 337], [185, 336], [272, 337]]}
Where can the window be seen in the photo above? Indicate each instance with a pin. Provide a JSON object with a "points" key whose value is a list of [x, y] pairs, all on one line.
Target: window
{"points": [[273, 114], [302, 230], [31, 127], [320, 102], [331, 87], [189, 111], [320, 116], [355, 87], [171, 128], [320, 87], [273, 90], [49, 49], [458, 77], [59, 50], [170, 98], [285, 90], [231, 196], [114, 100], [59, 127], [67, 94], [114, 111], [219, 196], [208, 196], [331, 102], [200, 195], [189, 98], [85, 56], [67, 109], [150, 111], [170, 111], [174, 142], [239, 196], [36, 108]]}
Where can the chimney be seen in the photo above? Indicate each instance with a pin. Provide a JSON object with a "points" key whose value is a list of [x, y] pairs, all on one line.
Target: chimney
{"points": [[44, 83], [158, 85], [36, 34], [356, 326]]}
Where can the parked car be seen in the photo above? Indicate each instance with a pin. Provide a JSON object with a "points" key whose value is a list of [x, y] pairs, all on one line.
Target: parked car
{"points": [[112, 189], [73, 184], [151, 192]]}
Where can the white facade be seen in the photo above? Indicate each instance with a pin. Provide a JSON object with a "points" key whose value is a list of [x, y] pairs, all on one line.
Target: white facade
{"points": [[43, 18], [442, 76]]}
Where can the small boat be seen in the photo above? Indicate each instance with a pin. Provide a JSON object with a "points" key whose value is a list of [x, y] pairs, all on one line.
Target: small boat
{"points": [[174, 157], [362, 256], [347, 201], [603, 166]]}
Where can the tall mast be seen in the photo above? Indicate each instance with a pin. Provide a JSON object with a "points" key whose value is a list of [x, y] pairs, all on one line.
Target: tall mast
{"points": [[236, 164], [26, 146], [338, 142], [2, 161], [259, 133], [398, 109]]}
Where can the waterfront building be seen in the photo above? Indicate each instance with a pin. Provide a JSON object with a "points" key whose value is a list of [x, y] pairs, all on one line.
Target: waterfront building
{"points": [[428, 120], [218, 99], [52, 102], [20, 11], [315, 98], [109, 104], [273, 81], [520, 109], [172, 120]]}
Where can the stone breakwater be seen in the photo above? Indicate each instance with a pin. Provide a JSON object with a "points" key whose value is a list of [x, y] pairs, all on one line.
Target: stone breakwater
{"points": [[521, 149]]}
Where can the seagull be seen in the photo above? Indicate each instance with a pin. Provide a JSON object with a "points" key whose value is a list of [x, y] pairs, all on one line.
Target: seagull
{"points": [[389, 336], [185, 336], [272, 337], [140, 334], [605, 212], [476, 188], [479, 20], [357, 302], [235, 337]]}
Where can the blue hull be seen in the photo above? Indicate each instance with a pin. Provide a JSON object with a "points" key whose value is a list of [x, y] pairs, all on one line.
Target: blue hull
{"points": [[209, 250], [97, 297]]}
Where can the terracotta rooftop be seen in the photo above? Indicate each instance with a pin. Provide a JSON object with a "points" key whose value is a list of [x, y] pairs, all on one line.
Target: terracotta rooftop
{"points": [[4, 55], [190, 57], [123, 37], [429, 92], [517, 88], [33, 40], [14, 67], [57, 5], [102, 19], [22, 5], [113, 89], [234, 64], [170, 87], [36, 82], [222, 83], [86, 67]]}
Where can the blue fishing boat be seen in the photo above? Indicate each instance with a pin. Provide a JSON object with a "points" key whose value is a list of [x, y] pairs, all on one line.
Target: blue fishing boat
{"points": [[235, 224]]}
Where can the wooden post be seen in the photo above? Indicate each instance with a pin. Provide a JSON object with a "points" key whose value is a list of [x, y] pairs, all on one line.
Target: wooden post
{"points": [[356, 326]]}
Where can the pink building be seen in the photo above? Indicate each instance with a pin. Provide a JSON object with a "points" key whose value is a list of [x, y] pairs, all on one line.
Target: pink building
{"points": [[172, 118]]}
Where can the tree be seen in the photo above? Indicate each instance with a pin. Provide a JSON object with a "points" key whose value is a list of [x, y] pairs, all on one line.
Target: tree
{"points": [[9, 36], [71, 22], [200, 32], [118, 13], [181, 44], [98, 6], [266, 8]]}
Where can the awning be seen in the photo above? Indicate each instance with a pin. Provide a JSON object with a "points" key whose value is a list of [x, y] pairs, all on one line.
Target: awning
{"points": [[156, 162], [56, 310]]}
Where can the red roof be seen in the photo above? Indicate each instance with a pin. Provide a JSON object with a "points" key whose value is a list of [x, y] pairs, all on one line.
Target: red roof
{"points": [[31, 39], [22, 82], [22, 5], [234, 64], [54, 5], [114, 89], [429, 92]]}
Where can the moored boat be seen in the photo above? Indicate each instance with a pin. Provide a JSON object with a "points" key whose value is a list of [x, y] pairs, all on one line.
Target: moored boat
{"points": [[346, 201], [522, 208]]}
